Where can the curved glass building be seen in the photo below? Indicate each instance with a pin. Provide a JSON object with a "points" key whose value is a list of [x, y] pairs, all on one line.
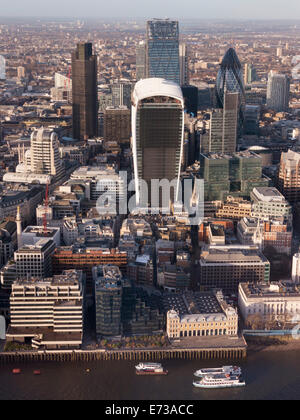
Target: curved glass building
{"points": [[157, 131], [230, 79]]}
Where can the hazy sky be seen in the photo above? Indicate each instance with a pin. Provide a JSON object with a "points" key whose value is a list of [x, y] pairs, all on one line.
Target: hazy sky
{"points": [[263, 9]]}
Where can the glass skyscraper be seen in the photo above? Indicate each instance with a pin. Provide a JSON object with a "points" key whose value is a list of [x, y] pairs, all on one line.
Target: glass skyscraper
{"points": [[162, 50], [84, 87], [222, 134], [230, 79], [157, 131]]}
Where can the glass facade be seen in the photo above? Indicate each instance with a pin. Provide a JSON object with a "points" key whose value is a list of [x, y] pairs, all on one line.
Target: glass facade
{"points": [[84, 90], [162, 51], [141, 61], [121, 94], [234, 175], [230, 79]]}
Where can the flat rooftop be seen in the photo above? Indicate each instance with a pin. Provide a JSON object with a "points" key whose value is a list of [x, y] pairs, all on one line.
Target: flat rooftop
{"points": [[192, 304], [268, 194], [231, 254], [280, 289]]}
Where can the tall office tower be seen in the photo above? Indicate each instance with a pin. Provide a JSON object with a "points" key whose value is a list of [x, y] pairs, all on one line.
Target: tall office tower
{"points": [[44, 153], [230, 79], [141, 61], [222, 135], [184, 64], [121, 94], [117, 124], [2, 68], [249, 74], [157, 130], [278, 92], [162, 50], [190, 94], [289, 176], [252, 117], [84, 86]]}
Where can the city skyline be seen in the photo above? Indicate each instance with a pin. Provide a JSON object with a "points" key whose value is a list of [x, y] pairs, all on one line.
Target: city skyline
{"points": [[216, 9]]}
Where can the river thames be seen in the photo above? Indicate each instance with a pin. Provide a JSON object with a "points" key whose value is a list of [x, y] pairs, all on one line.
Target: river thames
{"points": [[269, 376]]}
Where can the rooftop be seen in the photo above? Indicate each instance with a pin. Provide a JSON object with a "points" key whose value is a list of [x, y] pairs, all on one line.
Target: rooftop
{"points": [[282, 288], [148, 88], [268, 194]]}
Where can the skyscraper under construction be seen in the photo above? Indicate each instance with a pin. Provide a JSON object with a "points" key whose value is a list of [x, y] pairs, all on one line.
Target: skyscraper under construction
{"points": [[84, 85]]}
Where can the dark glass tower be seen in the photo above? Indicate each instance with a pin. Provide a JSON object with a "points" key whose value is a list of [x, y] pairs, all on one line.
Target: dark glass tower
{"points": [[162, 50], [157, 131], [230, 79], [84, 86]]}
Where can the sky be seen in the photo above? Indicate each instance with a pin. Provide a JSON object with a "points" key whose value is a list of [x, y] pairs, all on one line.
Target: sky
{"points": [[180, 9]]}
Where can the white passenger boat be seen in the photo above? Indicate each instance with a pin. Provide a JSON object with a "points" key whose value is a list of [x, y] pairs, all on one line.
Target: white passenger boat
{"points": [[226, 370], [150, 369], [219, 381]]}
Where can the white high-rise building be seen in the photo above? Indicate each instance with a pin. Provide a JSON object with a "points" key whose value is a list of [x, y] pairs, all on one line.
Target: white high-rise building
{"points": [[296, 268], [278, 92], [2, 68], [184, 64], [41, 164], [44, 149]]}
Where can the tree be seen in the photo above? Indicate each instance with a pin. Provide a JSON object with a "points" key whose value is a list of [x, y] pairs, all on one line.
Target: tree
{"points": [[255, 322]]}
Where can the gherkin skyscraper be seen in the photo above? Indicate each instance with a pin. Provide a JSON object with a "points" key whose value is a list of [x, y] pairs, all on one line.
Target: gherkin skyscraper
{"points": [[230, 79]]}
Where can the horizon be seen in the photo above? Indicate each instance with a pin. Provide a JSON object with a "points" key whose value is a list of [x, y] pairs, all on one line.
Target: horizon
{"points": [[134, 9]]}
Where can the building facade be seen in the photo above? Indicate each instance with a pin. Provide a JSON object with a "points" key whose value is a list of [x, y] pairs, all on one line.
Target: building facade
{"points": [[210, 316], [158, 131], [224, 267], [48, 313], [288, 181], [275, 301], [35, 260], [84, 92], [278, 92], [162, 50], [230, 79]]}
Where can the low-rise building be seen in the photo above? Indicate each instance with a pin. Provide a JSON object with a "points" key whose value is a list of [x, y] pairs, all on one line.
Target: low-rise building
{"points": [[200, 315], [268, 202], [32, 234], [141, 271], [224, 267], [234, 208], [275, 301]]}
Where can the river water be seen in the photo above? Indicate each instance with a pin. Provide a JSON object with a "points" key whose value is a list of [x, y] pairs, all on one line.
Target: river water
{"points": [[269, 375]]}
